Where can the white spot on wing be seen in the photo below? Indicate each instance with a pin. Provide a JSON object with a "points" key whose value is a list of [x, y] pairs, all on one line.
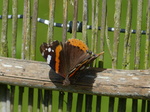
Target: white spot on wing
{"points": [[49, 59], [49, 49]]}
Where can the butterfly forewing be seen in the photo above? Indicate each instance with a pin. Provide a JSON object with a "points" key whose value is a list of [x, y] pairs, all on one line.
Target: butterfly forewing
{"points": [[74, 54]]}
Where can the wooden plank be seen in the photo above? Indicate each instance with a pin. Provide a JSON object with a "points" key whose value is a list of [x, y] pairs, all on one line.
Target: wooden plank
{"points": [[109, 82]]}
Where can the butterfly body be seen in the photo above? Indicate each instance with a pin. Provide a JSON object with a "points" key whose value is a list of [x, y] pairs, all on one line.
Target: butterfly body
{"points": [[67, 58]]}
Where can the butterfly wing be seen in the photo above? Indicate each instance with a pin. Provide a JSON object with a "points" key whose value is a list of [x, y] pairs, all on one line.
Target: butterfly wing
{"points": [[51, 52], [66, 59]]}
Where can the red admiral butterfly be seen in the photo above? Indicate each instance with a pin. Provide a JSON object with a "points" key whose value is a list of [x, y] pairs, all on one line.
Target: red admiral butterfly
{"points": [[67, 58]]}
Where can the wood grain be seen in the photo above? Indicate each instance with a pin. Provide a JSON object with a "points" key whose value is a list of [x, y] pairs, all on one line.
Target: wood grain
{"points": [[109, 82]]}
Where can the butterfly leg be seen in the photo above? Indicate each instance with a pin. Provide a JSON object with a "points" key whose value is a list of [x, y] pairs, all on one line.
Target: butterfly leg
{"points": [[66, 82]]}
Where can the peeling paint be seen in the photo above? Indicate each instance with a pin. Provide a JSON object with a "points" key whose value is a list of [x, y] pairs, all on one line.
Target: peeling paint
{"points": [[0, 59], [5, 65], [103, 77], [122, 79], [18, 67], [129, 74], [135, 78]]}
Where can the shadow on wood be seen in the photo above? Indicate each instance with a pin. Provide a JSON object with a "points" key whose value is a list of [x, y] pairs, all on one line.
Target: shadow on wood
{"points": [[80, 78]]}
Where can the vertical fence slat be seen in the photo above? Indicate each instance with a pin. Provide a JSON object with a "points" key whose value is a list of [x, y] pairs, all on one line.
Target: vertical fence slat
{"points": [[93, 25], [122, 105], [39, 100], [8, 99], [65, 16], [103, 26], [88, 103], [14, 27], [34, 30], [147, 44], [51, 20], [137, 45], [116, 31], [138, 34], [12, 88], [3, 105], [30, 100], [75, 17], [95, 21], [127, 38], [46, 100], [3, 39], [96, 26], [84, 21], [21, 90], [50, 101], [69, 101], [117, 19], [98, 104], [134, 105], [108, 41], [111, 104], [147, 41], [143, 107], [61, 98], [79, 103], [148, 106], [26, 31]]}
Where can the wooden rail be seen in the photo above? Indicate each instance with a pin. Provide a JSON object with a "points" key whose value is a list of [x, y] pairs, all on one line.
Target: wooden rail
{"points": [[109, 82]]}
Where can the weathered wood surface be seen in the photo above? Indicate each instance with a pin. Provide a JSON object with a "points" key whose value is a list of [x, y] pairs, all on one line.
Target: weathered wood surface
{"points": [[120, 83]]}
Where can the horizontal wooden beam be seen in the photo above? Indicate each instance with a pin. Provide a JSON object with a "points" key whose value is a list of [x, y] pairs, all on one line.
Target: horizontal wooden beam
{"points": [[118, 83]]}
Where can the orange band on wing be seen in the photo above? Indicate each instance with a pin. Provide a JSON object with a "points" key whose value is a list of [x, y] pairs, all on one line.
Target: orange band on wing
{"points": [[57, 59], [78, 43]]}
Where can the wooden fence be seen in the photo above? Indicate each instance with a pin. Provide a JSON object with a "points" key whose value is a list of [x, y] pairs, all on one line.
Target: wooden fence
{"points": [[31, 86]]}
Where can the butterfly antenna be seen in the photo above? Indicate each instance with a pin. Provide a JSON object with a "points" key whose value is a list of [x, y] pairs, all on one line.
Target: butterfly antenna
{"points": [[100, 54]]}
